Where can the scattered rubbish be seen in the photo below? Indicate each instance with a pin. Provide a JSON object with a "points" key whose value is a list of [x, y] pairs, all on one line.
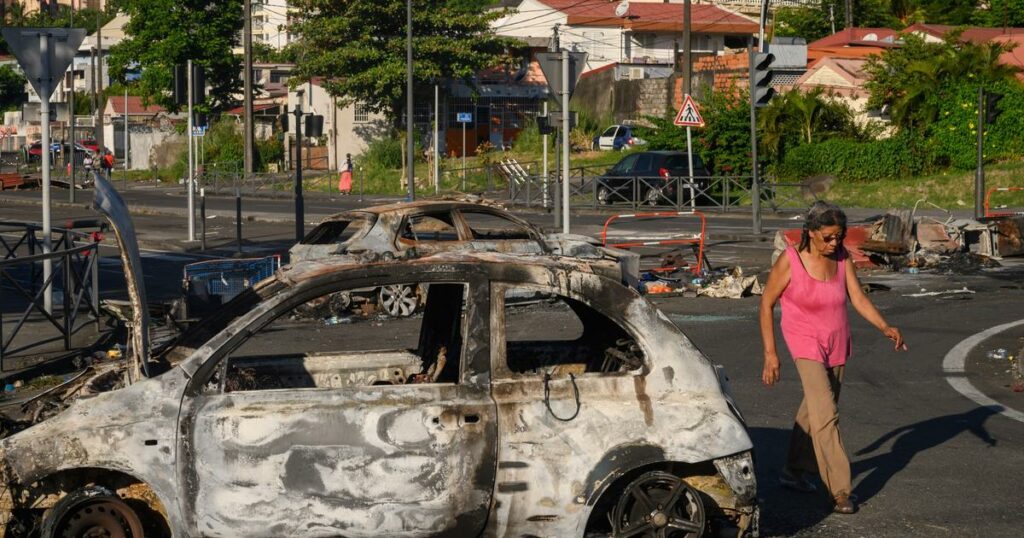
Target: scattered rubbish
{"points": [[997, 354], [911, 270], [871, 287], [18, 384], [8, 388], [733, 286], [658, 288], [338, 320], [936, 293], [114, 354]]}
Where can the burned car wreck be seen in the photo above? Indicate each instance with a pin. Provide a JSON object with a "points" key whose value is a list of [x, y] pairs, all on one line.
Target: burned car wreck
{"points": [[591, 413]]}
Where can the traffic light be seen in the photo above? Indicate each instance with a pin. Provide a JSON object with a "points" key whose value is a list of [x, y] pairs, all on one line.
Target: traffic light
{"points": [[180, 84], [991, 107], [314, 126], [761, 84]]}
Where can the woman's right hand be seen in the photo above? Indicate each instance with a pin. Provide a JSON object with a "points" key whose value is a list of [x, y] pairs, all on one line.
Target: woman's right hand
{"points": [[771, 374]]}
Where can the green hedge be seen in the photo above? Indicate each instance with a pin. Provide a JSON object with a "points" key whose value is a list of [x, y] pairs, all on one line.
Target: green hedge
{"points": [[847, 160]]}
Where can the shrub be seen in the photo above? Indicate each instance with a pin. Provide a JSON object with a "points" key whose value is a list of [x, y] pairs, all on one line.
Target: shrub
{"points": [[848, 160], [383, 153]]}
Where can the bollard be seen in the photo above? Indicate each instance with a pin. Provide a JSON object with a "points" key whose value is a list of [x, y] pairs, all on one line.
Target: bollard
{"points": [[238, 218], [362, 179], [202, 216]]}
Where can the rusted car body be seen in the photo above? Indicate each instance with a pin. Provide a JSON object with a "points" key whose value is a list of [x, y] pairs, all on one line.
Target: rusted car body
{"points": [[627, 427], [408, 230]]}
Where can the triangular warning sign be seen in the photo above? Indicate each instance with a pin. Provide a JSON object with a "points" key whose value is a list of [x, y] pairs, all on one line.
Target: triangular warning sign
{"points": [[688, 115], [44, 70]]}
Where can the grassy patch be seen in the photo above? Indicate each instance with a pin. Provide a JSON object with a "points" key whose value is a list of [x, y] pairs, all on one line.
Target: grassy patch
{"points": [[951, 190]]}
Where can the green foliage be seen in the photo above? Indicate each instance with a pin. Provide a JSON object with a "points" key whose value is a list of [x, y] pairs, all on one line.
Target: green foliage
{"points": [[796, 117], [951, 140], [529, 139], [224, 145], [1009, 13], [907, 78], [383, 153], [359, 47], [724, 142], [849, 160], [12, 88], [162, 33], [811, 23]]}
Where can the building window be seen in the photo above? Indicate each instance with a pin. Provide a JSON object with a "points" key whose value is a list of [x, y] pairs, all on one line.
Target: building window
{"points": [[361, 113]]}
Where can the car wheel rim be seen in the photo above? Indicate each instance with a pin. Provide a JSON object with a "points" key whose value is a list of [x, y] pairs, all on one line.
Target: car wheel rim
{"points": [[658, 504], [101, 518], [603, 195], [398, 300]]}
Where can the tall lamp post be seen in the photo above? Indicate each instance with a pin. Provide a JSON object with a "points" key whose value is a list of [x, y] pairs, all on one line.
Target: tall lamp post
{"points": [[410, 158], [300, 230]]}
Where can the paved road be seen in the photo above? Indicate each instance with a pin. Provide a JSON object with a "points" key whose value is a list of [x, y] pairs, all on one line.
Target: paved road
{"points": [[928, 460]]}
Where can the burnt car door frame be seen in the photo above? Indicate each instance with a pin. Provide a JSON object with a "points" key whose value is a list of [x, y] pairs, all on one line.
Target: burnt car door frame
{"points": [[465, 407], [467, 231]]}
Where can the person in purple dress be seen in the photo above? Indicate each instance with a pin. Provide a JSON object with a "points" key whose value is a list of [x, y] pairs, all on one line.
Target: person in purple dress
{"points": [[813, 283]]}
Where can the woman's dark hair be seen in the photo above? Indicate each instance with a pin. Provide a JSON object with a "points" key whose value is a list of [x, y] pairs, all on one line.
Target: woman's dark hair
{"points": [[821, 214]]}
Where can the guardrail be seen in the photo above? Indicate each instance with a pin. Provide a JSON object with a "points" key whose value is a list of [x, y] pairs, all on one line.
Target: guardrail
{"points": [[75, 261]]}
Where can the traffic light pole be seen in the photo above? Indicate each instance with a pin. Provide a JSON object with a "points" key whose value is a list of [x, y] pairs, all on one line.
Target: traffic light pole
{"points": [[979, 173], [755, 187], [300, 208]]}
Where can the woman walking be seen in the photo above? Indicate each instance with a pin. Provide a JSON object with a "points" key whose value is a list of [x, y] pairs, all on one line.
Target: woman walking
{"points": [[813, 282]]}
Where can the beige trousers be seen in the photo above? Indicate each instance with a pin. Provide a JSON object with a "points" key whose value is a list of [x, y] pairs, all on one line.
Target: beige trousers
{"points": [[815, 444]]}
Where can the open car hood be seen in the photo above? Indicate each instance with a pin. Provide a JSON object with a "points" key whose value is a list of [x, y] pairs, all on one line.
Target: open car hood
{"points": [[107, 201]]}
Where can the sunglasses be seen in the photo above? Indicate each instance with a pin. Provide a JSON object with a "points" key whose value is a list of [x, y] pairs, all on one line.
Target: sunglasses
{"points": [[838, 238]]}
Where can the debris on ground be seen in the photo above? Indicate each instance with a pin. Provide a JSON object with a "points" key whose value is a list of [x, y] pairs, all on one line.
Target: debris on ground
{"points": [[721, 283], [902, 241], [1017, 369], [924, 293]]}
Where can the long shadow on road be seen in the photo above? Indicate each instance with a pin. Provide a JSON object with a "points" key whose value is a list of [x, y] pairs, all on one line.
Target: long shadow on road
{"points": [[784, 512], [910, 441]]}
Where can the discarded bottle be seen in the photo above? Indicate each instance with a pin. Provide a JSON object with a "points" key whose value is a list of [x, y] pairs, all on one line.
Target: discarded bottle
{"points": [[910, 270], [9, 388], [697, 282], [997, 354]]}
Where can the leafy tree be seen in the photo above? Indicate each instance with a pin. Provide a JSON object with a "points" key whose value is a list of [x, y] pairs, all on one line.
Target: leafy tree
{"points": [[1008, 13], [359, 47], [162, 33], [811, 23], [12, 88]]}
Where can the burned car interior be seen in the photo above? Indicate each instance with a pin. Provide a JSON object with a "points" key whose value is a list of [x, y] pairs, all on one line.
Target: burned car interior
{"points": [[574, 337], [296, 352]]}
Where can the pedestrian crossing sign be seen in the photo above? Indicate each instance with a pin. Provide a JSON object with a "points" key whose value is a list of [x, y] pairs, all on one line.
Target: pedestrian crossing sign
{"points": [[688, 115]]}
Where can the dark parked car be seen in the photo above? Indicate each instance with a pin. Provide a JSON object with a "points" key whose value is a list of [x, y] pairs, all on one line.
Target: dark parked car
{"points": [[653, 176]]}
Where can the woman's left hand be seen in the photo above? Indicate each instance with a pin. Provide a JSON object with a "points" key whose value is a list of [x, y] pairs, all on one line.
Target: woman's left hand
{"points": [[892, 333]]}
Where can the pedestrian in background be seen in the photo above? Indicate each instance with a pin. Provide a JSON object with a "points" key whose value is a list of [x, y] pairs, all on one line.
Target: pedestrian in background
{"points": [[107, 163], [813, 282]]}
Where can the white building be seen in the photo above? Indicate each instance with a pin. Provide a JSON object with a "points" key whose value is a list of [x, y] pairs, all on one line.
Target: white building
{"points": [[638, 33], [270, 22]]}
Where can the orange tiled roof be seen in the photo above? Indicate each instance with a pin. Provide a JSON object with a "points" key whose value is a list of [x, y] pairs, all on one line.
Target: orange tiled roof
{"points": [[647, 16]]}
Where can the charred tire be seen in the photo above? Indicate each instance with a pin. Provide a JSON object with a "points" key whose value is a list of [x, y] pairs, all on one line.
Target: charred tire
{"points": [[398, 300], [92, 511], [658, 504]]}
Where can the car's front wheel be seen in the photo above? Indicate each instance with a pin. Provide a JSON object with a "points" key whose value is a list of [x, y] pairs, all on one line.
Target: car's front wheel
{"points": [[398, 300], [92, 511], [658, 504]]}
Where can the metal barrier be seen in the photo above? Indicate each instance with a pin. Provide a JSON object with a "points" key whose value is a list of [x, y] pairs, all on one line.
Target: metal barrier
{"points": [[697, 239], [75, 268], [988, 206]]}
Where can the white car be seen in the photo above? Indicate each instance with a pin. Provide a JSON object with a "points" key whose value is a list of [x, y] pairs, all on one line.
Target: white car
{"points": [[617, 137]]}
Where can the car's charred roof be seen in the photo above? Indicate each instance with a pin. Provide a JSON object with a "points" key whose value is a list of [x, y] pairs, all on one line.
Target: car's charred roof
{"points": [[411, 207]]}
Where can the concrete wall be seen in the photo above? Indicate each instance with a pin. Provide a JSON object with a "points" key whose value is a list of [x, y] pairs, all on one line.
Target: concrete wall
{"points": [[145, 142], [601, 95]]}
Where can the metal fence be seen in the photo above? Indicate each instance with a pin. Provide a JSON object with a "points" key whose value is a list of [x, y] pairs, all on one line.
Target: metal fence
{"points": [[721, 193], [75, 262]]}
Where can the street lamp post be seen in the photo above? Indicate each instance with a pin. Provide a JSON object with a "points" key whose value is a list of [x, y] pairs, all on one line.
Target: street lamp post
{"points": [[410, 158]]}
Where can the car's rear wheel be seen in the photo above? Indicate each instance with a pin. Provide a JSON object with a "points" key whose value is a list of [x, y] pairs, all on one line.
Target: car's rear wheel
{"points": [[658, 504], [398, 300], [93, 511]]}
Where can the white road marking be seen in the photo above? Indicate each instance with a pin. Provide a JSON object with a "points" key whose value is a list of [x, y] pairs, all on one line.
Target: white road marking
{"points": [[953, 366]]}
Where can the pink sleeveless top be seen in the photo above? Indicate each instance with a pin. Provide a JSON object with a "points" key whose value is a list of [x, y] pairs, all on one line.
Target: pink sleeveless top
{"points": [[814, 320]]}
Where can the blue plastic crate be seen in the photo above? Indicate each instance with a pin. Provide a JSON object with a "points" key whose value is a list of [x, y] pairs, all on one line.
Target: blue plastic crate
{"points": [[227, 278]]}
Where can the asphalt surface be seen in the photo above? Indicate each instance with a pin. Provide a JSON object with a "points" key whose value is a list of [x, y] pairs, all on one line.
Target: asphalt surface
{"points": [[928, 460]]}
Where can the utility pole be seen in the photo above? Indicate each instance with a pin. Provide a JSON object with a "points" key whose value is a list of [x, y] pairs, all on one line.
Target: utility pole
{"points": [[979, 172], [191, 160], [437, 145], [410, 158], [755, 187], [553, 46], [687, 51], [565, 141], [849, 14], [71, 116], [300, 209], [247, 125], [98, 121]]}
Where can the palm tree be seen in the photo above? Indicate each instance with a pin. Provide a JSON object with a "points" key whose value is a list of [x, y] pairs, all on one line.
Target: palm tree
{"points": [[807, 109]]}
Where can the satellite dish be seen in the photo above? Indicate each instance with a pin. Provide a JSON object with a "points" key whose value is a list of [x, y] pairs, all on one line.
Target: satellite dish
{"points": [[871, 37], [622, 10]]}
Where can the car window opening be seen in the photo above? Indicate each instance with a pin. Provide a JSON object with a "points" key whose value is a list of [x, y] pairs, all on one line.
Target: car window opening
{"points": [[429, 228], [303, 350], [562, 336], [336, 231]]}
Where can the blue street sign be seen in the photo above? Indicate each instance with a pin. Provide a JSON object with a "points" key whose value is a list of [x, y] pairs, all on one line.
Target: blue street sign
{"points": [[464, 117]]}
